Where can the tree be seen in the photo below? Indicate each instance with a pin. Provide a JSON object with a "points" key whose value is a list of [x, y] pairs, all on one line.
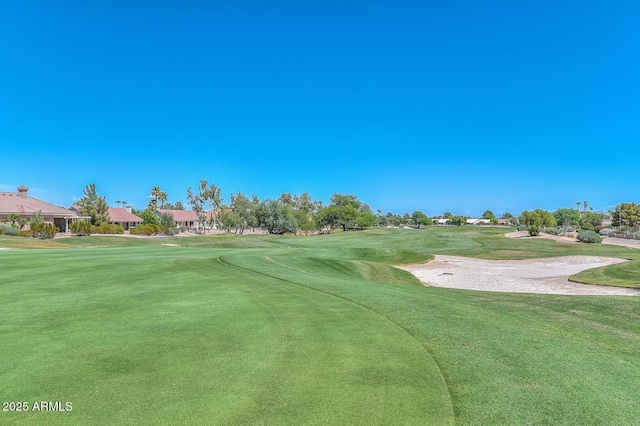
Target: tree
{"points": [[626, 214], [149, 217], [162, 197], [16, 220], [206, 194], [165, 219], [286, 199], [567, 217], [506, 215], [458, 220], [536, 219], [447, 215], [333, 215], [420, 218], [278, 218], [178, 206], [240, 215], [304, 221], [94, 206], [488, 214], [590, 220], [364, 219], [198, 206]]}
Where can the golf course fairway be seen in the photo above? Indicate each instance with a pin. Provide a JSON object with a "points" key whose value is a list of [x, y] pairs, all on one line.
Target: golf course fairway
{"points": [[308, 330]]}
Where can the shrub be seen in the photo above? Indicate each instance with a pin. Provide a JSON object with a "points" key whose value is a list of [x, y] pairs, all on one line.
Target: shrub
{"points": [[108, 228], [80, 227], [589, 237], [44, 231], [606, 231], [174, 231], [144, 230], [149, 218], [552, 231], [25, 233], [521, 227], [183, 229], [9, 230]]}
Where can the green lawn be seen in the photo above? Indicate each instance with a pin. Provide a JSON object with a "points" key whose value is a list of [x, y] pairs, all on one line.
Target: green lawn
{"points": [[308, 330]]}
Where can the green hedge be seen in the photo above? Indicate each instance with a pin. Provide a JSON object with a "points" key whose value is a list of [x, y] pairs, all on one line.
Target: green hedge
{"points": [[150, 230], [108, 229]]}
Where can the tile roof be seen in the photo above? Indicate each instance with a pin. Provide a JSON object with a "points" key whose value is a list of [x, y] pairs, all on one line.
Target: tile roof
{"points": [[12, 202], [181, 215], [118, 215]]}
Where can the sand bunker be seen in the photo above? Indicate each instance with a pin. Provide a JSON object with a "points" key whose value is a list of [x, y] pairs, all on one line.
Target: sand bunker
{"points": [[548, 276]]}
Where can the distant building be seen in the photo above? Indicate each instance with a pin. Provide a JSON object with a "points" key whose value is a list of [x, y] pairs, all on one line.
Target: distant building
{"points": [[443, 221], [23, 205], [186, 218], [123, 217], [478, 221]]}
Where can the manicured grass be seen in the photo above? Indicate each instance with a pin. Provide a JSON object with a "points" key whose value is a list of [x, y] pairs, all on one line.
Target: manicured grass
{"points": [[308, 330]]}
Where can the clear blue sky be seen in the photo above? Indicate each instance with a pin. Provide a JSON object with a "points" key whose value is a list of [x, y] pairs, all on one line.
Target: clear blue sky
{"points": [[429, 105]]}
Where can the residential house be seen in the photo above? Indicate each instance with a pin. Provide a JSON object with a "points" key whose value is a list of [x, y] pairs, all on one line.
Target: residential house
{"points": [[186, 218], [443, 221], [124, 217], [478, 221], [23, 205]]}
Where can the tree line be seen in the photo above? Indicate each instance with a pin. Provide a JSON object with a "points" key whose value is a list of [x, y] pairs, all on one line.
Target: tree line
{"points": [[299, 213]]}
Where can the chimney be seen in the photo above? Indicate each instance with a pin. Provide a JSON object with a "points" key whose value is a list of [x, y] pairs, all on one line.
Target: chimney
{"points": [[128, 208], [22, 191]]}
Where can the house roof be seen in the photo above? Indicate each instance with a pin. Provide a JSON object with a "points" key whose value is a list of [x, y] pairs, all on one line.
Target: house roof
{"points": [[181, 215], [23, 205], [473, 221], [122, 215]]}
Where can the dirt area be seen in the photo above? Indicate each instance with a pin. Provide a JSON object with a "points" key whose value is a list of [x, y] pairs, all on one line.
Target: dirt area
{"points": [[622, 242], [606, 240], [548, 275], [525, 234]]}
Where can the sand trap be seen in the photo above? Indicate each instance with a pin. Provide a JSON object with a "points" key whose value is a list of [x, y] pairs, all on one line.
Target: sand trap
{"points": [[525, 235], [548, 276], [170, 245]]}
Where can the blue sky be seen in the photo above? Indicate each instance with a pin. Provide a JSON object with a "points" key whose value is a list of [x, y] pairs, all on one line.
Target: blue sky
{"points": [[433, 106]]}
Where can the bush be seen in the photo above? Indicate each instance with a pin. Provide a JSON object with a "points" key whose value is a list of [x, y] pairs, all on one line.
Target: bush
{"points": [[25, 233], [183, 229], [552, 231], [589, 237], [606, 231], [521, 228], [174, 231], [9, 230], [80, 227], [108, 229], [44, 231]]}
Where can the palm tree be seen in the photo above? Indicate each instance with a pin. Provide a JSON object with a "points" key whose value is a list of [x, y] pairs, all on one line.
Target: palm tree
{"points": [[162, 197], [578, 203], [155, 191], [584, 206], [118, 202]]}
